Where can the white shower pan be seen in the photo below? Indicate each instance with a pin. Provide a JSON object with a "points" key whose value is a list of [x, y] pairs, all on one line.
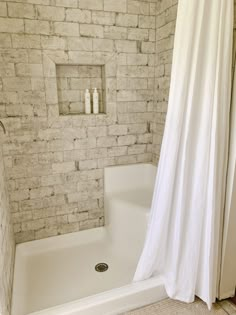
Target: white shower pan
{"points": [[57, 276]]}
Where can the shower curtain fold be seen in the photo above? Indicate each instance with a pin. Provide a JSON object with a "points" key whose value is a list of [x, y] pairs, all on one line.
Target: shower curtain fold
{"points": [[183, 237]]}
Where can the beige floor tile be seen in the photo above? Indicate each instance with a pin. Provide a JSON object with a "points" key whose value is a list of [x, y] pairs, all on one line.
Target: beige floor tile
{"points": [[171, 307], [229, 307]]}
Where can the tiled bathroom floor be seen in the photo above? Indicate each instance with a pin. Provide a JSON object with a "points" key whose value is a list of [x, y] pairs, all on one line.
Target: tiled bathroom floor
{"points": [[171, 307]]}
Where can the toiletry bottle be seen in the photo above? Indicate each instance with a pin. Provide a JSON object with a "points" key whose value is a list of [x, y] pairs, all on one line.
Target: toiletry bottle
{"points": [[87, 102], [95, 102]]}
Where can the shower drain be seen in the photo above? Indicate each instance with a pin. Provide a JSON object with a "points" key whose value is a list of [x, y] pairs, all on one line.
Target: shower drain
{"points": [[101, 267]]}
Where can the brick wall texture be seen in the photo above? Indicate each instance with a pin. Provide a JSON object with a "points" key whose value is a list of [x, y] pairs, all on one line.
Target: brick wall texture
{"points": [[166, 15], [54, 164]]}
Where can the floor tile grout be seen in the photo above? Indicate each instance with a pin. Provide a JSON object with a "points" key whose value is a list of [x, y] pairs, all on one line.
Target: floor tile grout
{"points": [[172, 307]]}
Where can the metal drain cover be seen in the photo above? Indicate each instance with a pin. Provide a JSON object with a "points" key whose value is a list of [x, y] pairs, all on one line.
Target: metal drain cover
{"points": [[101, 267]]}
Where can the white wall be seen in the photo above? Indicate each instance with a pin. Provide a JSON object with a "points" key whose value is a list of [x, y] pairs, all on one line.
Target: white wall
{"points": [[7, 245], [228, 267]]}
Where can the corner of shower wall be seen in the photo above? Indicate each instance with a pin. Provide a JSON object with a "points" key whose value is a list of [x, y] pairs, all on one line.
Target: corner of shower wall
{"points": [[166, 16], [7, 246]]}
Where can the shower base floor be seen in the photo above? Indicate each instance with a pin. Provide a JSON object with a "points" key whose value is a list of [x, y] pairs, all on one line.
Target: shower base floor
{"points": [[57, 276], [50, 273]]}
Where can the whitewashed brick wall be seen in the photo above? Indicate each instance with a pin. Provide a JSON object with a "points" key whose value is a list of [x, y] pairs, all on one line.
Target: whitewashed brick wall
{"points": [[54, 164], [165, 29], [7, 245]]}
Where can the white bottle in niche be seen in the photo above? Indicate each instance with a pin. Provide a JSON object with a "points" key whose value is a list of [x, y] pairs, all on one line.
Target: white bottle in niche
{"points": [[87, 102], [95, 102]]}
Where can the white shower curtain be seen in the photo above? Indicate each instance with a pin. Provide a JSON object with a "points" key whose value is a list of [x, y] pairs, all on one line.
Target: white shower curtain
{"points": [[183, 237]]}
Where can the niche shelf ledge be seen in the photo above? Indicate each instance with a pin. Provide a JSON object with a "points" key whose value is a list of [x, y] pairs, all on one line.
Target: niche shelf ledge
{"points": [[72, 81]]}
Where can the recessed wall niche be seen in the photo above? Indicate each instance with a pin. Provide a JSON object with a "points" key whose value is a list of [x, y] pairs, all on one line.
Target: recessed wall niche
{"points": [[73, 80]]}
